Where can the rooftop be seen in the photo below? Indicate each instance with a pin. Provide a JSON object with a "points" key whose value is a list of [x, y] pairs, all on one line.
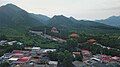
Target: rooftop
{"points": [[36, 48], [24, 59], [13, 59], [53, 62]]}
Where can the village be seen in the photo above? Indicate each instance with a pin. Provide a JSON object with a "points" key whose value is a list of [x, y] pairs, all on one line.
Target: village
{"points": [[38, 57]]}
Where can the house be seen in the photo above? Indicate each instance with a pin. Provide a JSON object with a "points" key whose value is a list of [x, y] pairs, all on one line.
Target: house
{"points": [[2, 42], [53, 63], [22, 62], [26, 53], [7, 55], [47, 50], [17, 51], [19, 43], [91, 41], [115, 58], [105, 58], [35, 51], [17, 55], [74, 35], [28, 48], [86, 54], [36, 32], [12, 59], [24, 59], [76, 54], [12, 42], [35, 59]]}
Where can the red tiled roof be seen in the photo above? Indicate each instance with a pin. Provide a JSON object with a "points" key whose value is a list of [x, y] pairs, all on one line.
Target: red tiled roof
{"points": [[18, 54], [24, 59], [105, 58], [16, 51], [104, 55]]}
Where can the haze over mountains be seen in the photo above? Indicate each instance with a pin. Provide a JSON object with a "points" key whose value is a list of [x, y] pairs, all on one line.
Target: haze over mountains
{"points": [[16, 20], [113, 21]]}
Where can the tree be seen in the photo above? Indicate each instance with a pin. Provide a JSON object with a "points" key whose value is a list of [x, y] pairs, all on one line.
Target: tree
{"points": [[53, 56], [5, 64], [71, 45], [3, 37], [65, 59]]}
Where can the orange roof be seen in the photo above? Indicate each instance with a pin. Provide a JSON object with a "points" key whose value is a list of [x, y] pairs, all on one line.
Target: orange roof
{"points": [[91, 41], [74, 35]]}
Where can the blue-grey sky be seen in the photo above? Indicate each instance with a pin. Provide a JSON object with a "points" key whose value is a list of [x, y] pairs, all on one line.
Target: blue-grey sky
{"points": [[80, 9]]}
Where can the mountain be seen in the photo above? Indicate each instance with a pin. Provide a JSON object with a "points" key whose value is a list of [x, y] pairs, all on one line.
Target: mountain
{"points": [[113, 21], [61, 21], [65, 23], [14, 20], [40, 17], [73, 19]]}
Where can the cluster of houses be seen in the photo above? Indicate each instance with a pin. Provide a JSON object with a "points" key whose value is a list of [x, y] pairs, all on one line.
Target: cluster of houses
{"points": [[29, 57], [5, 42], [89, 59], [37, 57]]}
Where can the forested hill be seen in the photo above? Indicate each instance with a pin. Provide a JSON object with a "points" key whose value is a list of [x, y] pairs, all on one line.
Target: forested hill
{"points": [[113, 21], [14, 20], [65, 23]]}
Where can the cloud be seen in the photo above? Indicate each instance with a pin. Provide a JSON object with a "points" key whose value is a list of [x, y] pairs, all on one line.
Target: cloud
{"points": [[90, 9]]}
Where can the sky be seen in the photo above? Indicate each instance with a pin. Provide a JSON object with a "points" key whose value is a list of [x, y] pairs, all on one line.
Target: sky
{"points": [[79, 9]]}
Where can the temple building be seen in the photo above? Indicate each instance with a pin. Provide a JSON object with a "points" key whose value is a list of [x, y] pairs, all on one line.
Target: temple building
{"points": [[91, 41], [74, 35], [54, 30]]}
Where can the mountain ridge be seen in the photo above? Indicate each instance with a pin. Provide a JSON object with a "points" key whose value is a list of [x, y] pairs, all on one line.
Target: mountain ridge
{"points": [[16, 20], [113, 21]]}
